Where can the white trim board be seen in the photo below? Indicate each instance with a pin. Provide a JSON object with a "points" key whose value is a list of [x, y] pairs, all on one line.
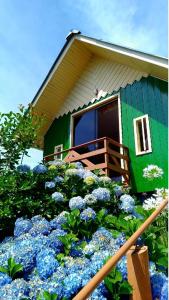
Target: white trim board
{"points": [[148, 135]]}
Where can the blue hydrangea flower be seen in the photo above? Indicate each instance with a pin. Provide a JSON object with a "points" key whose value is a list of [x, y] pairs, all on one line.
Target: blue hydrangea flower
{"points": [[101, 194], [17, 290], [157, 282], [122, 267], [35, 243], [127, 203], [4, 258], [88, 214], [36, 286], [75, 173], [75, 264], [49, 185], [58, 179], [120, 240], [76, 203], [22, 226], [102, 236], [59, 275], [53, 240], [58, 197], [46, 263], [72, 283], [23, 168], [52, 287], [118, 190], [79, 165], [152, 268], [59, 220], [41, 227], [23, 253], [97, 260], [90, 248], [100, 293], [40, 169], [164, 291], [85, 276], [90, 199], [37, 218], [87, 173], [75, 252], [4, 279]]}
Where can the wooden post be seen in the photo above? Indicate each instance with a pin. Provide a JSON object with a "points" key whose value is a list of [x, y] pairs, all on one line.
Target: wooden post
{"points": [[138, 273], [106, 157]]}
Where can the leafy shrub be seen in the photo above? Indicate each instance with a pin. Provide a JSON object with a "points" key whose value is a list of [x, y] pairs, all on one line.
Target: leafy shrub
{"points": [[47, 191], [19, 132], [61, 243]]}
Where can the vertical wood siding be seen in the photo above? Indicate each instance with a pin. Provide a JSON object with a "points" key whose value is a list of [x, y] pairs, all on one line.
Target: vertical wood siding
{"points": [[58, 133], [148, 96]]}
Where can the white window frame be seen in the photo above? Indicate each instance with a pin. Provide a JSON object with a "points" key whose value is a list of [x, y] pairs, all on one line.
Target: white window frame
{"points": [[60, 147], [138, 152]]}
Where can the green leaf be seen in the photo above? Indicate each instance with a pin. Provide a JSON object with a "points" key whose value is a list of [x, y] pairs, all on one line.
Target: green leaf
{"points": [[13, 268], [16, 269], [60, 257], [115, 233], [4, 270], [108, 284], [163, 261], [125, 288], [115, 276]]}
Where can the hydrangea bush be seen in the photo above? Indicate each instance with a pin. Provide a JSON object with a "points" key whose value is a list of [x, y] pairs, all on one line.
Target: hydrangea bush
{"points": [[71, 222]]}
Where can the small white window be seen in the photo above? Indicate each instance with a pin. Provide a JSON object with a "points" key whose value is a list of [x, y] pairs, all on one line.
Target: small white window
{"points": [[142, 135], [58, 148]]}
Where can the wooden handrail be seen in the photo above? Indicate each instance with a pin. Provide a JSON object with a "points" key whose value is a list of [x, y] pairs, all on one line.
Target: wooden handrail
{"points": [[87, 144], [106, 269], [116, 143]]}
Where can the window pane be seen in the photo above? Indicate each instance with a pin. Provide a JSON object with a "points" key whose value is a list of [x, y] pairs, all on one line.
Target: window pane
{"points": [[139, 136], [145, 134], [85, 128], [58, 148], [108, 121]]}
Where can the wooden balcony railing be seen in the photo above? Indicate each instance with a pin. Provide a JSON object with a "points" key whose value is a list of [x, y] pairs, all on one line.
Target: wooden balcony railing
{"points": [[140, 277], [104, 153]]}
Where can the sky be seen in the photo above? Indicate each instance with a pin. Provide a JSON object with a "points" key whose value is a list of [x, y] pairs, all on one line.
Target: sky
{"points": [[33, 32]]}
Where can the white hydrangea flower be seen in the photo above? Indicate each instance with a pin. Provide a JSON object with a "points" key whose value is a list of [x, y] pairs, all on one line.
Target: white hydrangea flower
{"points": [[90, 199], [161, 193], [152, 172], [152, 203], [105, 179]]}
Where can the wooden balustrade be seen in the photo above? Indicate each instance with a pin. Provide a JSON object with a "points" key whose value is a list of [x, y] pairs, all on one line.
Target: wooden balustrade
{"points": [[104, 153]]}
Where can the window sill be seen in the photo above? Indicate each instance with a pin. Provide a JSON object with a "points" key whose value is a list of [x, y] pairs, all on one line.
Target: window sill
{"points": [[144, 152]]}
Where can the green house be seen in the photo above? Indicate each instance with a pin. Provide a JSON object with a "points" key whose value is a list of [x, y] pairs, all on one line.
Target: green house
{"points": [[106, 105]]}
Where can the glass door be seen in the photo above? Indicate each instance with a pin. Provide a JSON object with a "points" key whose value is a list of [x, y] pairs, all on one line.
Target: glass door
{"points": [[103, 121], [85, 128], [108, 121]]}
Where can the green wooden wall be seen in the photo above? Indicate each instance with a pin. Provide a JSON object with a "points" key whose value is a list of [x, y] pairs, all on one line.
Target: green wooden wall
{"points": [[148, 96], [58, 133]]}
